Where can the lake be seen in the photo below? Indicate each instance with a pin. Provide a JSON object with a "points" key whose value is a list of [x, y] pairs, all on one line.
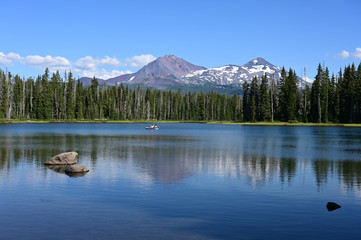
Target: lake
{"points": [[185, 181]]}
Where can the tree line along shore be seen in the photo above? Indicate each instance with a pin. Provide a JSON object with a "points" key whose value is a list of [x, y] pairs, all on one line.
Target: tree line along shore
{"points": [[334, 99]]}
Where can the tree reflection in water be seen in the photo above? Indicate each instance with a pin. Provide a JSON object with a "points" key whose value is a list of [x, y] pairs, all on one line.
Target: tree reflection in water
{"points": [[168, 159]]}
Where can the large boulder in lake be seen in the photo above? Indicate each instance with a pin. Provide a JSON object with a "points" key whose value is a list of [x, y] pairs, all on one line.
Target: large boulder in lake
{"points": [[57, 168], [63, 159], [75, 175], [76, 168]]}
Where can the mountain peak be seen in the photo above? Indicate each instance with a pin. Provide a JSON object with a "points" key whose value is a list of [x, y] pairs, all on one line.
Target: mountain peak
{"points": [[170, 59], [166, 67], [258, 61], [169, 56]]}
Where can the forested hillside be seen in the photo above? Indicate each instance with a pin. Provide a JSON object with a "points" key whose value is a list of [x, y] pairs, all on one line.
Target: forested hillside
{"points": [[330, 99]]}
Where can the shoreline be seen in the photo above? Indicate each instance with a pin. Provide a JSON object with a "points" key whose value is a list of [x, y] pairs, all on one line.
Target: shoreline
{"points": [[14, 121]]}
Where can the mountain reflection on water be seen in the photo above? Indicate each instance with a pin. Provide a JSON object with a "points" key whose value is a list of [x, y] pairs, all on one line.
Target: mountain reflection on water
{"points": [[259, 158]]}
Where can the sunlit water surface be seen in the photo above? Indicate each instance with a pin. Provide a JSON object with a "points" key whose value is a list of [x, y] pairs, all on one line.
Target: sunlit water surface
{"points": [[185, 181]]}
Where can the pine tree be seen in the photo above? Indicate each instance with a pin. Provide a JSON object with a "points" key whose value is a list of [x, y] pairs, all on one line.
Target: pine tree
{"points": [[70, 113], [246, 102], [254, 100], [36, 113], [283, 95], [273, 97], [293, 95], [358, 94], [55, 83], [79, 102], [265, 113], [316, 113], [307, 102], [10, 96], [4, 95], [18, 97], [237, 108], [325, 85], [95, 97], [201, 107], [288, 97], [45, 97], [339, 99], [29, 97], [332, 100], [346, 93]]}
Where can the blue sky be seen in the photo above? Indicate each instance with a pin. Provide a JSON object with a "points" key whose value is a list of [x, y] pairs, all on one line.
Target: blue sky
{"points": [[108, 38]]}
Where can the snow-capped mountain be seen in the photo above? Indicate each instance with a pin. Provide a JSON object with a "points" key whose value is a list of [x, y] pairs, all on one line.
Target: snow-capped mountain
{"points": [[162, 72], [171, 72], [233, 74]]}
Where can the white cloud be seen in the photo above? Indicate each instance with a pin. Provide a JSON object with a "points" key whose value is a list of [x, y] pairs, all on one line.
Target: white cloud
{"points": [[92, 63], [86, 63], [346, 55], [101, 73], [108, 61], [84, 67], [14, 56], [9, 59], [139, 61], [343, 55], [357, 53], [53, 63], [89, 67]]}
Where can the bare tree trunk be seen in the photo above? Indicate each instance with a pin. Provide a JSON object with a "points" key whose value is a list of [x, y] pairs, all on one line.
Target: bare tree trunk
{"points": [[10, 99], [64, 101], [305, 104], [31, 100], [169, 99], [272, 93], [160, 106], [148, 110]]}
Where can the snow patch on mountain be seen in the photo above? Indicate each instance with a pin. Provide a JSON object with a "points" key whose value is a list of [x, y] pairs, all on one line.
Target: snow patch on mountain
{"points": [[232, 74], [221, 75], [309, 80]]}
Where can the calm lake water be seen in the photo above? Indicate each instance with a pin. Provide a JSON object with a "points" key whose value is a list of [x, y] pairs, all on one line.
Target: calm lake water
{"points": [[185, 181]]}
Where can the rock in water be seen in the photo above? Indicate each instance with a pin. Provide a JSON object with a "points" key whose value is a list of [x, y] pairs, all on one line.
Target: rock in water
{"points": [[75, 175], [63, 159], [76, 168], [332, 206], [57, 168]]}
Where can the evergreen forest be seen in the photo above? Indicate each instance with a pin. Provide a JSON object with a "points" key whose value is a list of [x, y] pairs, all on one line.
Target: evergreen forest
{"points": [[330, 99]]}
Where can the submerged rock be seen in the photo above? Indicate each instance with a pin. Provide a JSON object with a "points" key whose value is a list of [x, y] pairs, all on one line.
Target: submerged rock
{"points": [[57, 168], [74, 175], [76, 168], [63, 159], [332, 206]]}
